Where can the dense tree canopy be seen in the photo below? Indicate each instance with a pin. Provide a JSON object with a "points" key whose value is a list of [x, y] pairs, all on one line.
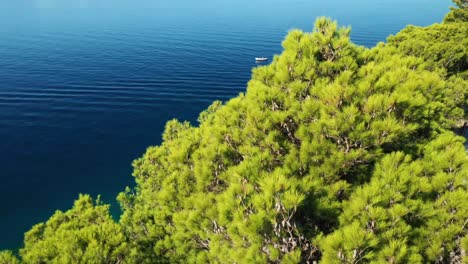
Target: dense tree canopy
{"points": [[459, 14], [84, 234], [336, 153], [7, 257], [441, 45]]}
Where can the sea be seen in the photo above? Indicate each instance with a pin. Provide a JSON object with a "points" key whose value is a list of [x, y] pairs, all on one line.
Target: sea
{"points": [[87, 85]]}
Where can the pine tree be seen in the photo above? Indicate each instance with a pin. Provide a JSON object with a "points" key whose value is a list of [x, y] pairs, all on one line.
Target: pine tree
{"points": [[266, 175], [336, 153], [410, 212], [7, 257], [84, 234]]}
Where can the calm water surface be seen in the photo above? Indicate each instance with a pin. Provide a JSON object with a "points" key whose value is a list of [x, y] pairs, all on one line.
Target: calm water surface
{"points": [[87, 85]]}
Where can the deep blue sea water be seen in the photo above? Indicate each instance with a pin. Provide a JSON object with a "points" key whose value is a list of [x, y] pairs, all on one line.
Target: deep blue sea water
{"points": [[87, 85]]}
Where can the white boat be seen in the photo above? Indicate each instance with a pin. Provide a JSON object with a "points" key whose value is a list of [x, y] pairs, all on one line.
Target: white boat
{"points": [[261, 59]]}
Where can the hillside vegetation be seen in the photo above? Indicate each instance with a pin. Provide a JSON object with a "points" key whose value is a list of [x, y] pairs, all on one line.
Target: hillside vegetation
{"points": [[335, 153]]}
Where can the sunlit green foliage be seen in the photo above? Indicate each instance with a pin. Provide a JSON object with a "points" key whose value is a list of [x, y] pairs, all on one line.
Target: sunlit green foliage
{"points": [[7, 257], [336, 153], [267, 174], [84, 234], [458, 14], [410, 212], [444, 46]]}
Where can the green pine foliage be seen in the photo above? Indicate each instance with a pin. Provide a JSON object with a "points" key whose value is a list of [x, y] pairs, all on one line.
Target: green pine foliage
{"points": [[443, 47], [412, 211], [84, 234], [335, 154], [7, 257], [458, 14], [267, 175]]}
